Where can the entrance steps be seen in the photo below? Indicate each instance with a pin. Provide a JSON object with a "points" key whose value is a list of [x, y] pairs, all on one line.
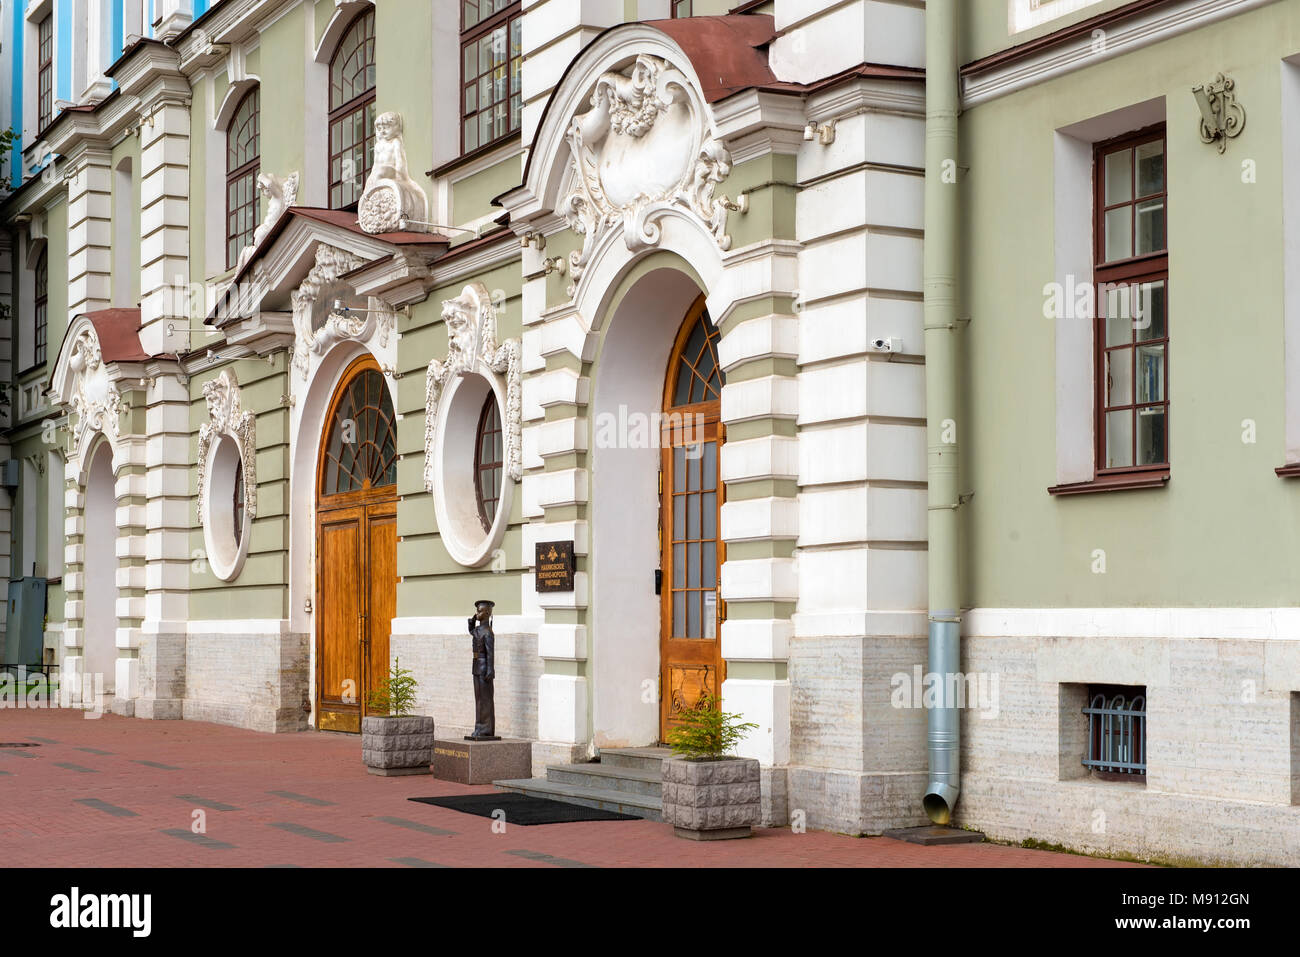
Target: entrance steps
{"points": [[625, 780]]}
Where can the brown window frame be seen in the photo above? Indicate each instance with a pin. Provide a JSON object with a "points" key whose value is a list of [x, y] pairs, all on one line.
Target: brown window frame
{"points": [[489, 411], [504, 17], [1133, 271], [675, 7], [360, 103], [45, 72], [41, 309], [250, 169]]}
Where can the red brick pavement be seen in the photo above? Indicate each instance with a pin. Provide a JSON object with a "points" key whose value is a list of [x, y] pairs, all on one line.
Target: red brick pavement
{"points": [[118, 811]]}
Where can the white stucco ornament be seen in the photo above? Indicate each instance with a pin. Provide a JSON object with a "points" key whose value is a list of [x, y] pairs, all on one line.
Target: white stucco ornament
{"points": [[95, 399], [227, 416], [643, 148], [390, 196], [279, 193], [227, 467], [473, 350], [317, 296]]}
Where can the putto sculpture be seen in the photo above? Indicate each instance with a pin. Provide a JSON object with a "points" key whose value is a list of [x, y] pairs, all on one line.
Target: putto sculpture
{"points": [[279, 194], [390, 196]]}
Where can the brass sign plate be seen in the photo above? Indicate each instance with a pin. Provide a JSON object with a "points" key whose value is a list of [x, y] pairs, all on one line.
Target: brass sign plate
{"points": [[554, 566]]}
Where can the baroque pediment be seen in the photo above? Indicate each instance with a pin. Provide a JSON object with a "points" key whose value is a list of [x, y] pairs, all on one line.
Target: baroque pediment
{"points": [[644, 147]]}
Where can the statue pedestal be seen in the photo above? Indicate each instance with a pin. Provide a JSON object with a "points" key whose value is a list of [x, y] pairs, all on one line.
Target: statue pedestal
{"points": [[482, 762]]}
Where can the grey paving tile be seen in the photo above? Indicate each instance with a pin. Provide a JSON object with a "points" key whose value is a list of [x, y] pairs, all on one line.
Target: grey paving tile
{"points": [[547, 858], [416, 826], [302, 798], [202, 840], [303, 831], [107, 808], [205, 802], [414, 862]]}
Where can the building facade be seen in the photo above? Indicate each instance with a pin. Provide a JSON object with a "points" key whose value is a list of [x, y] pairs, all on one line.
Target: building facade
{"points": [[328, 318]]}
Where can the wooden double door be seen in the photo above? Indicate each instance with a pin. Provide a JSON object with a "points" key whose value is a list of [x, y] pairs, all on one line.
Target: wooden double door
{"points": [[356, 547], [691, 548]]}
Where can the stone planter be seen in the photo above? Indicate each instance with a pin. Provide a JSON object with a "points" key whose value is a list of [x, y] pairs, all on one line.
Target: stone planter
{"points": [[711, 800], [392, 746]]}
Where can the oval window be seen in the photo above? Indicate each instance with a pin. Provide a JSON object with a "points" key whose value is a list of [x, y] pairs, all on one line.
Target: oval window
{"points": [[488, 461]]}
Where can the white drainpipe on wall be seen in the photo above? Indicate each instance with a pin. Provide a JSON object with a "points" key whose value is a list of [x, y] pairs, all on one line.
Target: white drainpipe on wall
{"points": [[943, 420]]}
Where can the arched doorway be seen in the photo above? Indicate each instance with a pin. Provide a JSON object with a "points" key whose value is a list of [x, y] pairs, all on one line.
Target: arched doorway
{"points": [[356, 545], [100, 595], [691, 550]]}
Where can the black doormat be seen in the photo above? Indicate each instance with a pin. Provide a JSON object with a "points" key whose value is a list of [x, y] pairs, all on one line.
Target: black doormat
{"points": [[524, 808]]}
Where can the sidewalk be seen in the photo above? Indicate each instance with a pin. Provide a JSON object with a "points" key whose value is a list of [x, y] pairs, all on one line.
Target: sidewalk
{"points": [[122, 792]]}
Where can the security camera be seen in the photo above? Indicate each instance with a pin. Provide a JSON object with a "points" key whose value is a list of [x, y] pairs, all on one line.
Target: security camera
{"points": [[887, 345]]}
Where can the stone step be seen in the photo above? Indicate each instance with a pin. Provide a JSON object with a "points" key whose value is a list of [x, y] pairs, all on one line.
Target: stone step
{"points": [[604, 777], [639, 805], [647, 759]]}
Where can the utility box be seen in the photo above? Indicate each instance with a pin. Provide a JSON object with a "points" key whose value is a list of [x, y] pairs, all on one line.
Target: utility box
{"points": [[25, 622], [9, 473]]}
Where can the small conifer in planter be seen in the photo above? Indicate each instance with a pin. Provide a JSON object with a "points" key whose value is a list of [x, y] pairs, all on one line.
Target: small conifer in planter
{"points": [[708, 794], [394, 741]]}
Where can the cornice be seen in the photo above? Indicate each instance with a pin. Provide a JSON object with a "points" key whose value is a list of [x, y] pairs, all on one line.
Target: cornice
{"points": [[1127, 29]]}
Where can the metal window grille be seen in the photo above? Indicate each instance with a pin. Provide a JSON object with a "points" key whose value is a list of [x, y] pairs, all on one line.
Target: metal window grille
{"points": [[1117, 732]]}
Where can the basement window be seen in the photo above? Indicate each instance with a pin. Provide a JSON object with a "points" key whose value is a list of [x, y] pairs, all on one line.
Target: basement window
{"points": [[1117, 732]]}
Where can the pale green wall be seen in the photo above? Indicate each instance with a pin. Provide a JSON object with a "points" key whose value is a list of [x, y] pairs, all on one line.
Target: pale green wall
{"points": [[261, 588], [986, 25], [129, 147], [432, 583], [282, 72], [1222, 531]]}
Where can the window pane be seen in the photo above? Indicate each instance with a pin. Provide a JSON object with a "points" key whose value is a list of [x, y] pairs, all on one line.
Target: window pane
{"points": [[1119, 177], [679, 517], [679, 569], [693, 516], [1150, 226], [710, 562], [1151, 168], [1151, 436], [1119, 377], [1150, 322], [1151, 373], [1119, 439], [1119, 233], [1118, 315], [692, 614]]}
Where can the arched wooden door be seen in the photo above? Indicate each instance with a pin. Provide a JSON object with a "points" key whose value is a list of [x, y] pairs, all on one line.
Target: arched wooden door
{"points": [[356, 546], [691, 550]]}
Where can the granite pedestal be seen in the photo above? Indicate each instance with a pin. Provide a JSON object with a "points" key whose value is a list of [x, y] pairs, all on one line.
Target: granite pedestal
{"points": [[482, 762]]}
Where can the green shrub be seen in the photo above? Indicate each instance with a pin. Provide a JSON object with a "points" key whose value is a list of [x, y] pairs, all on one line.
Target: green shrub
{"points": [[707, 733], [395, 695]]}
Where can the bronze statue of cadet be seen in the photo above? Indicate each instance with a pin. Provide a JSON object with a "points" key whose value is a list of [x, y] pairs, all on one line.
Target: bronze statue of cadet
{"points": [[484, 672]]}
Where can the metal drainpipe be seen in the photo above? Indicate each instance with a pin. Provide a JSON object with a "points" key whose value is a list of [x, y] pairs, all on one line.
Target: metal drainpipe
{"points": [[943, 727]]}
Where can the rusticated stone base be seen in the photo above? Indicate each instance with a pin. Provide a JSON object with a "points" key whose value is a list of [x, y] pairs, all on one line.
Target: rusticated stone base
{"points": [[715, 800], [397, 745]]}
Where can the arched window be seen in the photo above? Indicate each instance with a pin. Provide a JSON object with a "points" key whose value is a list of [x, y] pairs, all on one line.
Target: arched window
{"points": [[361, 453], [41, 325], [489, 459], [352, 112], [698, 378], [243, 153]]}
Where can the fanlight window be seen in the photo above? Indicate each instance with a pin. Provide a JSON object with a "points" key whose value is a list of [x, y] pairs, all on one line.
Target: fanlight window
{"points": [[362, 449], [699, 378]]}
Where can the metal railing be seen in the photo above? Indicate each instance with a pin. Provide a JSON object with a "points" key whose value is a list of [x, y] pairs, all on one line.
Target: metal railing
{"points": [[1117, 734], [20, 678]]}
